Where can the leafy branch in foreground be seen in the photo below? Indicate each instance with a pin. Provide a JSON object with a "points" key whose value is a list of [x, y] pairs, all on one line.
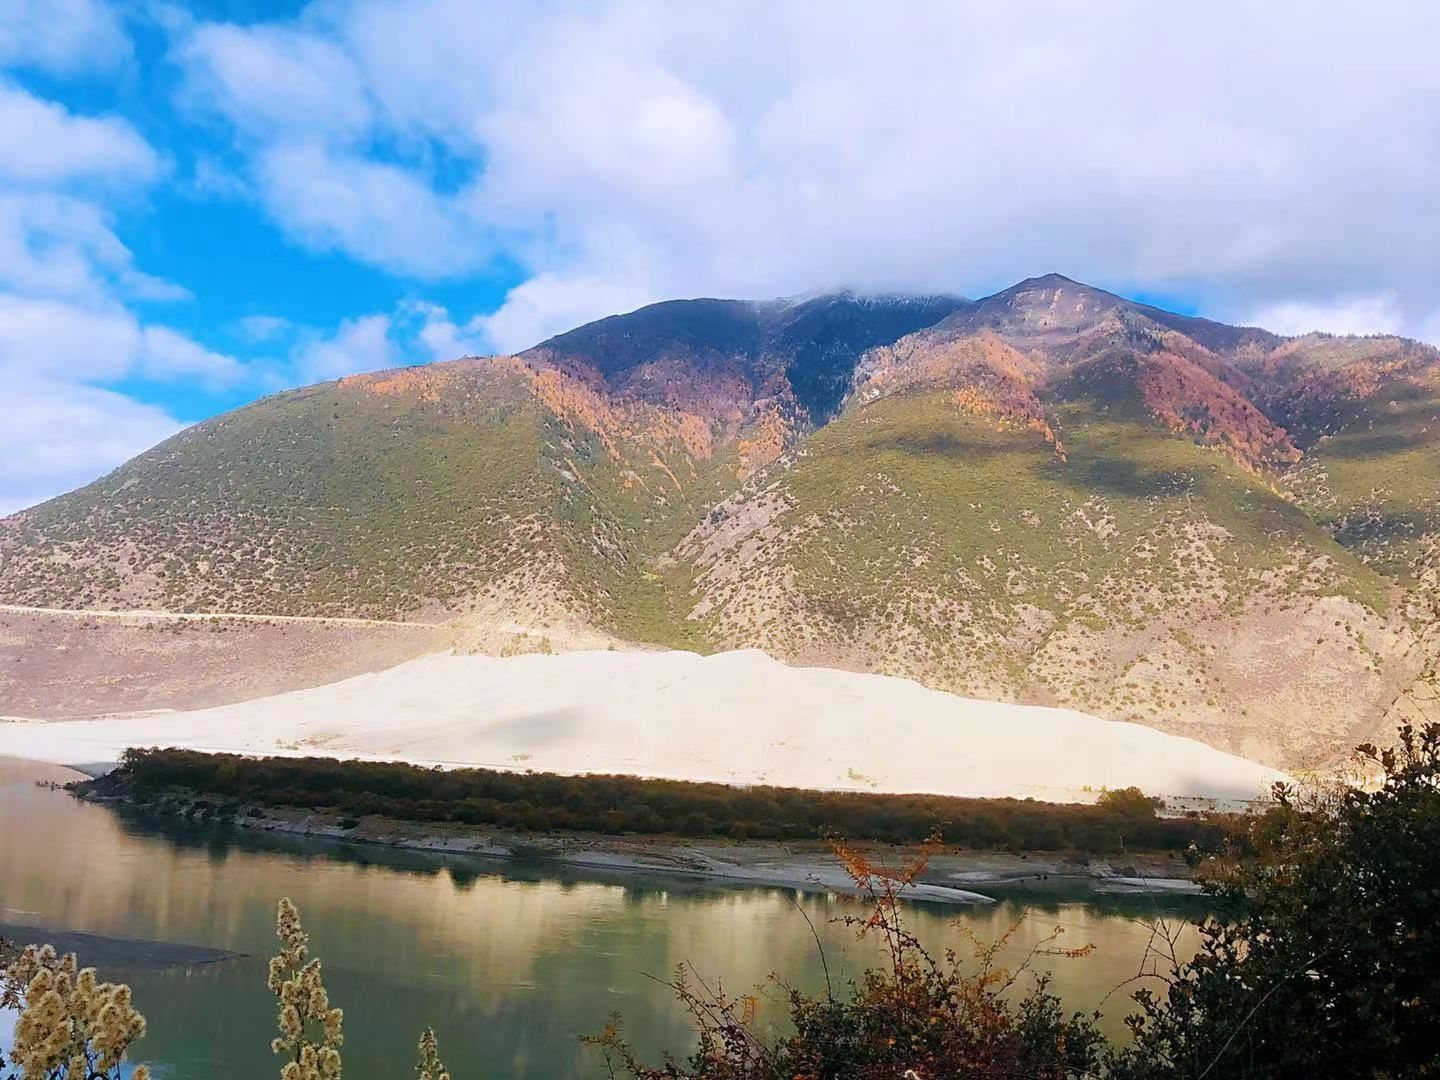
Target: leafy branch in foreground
{"points": [[71, 1026], [310, 1029], [430, 1067]]}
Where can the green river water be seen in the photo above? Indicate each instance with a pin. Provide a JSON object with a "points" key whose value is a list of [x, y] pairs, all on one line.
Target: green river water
{"points": [[508, 961]]}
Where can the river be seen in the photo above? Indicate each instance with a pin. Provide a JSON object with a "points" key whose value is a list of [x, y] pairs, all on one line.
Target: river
{"points": [[509, 962]]}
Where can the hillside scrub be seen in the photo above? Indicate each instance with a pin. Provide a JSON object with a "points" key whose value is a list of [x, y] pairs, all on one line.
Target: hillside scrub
{"points": [[977, 495], [626, 804]]}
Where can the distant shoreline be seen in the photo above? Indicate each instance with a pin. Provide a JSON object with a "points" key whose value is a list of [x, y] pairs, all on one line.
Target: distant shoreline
{"points": [[952, 877]]}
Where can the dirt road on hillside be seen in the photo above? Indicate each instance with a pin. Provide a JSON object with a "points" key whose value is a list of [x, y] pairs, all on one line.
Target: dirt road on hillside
{"points": [[208, 616]]}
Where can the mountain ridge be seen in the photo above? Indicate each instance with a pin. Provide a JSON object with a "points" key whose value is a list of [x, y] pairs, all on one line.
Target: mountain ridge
{"points": [[1051, 494]]}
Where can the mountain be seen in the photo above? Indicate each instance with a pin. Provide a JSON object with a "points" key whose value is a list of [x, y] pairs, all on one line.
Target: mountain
{"points": [[1050, 495], [719, 358]]}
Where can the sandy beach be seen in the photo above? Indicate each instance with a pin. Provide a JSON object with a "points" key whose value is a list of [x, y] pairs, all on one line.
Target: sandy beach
{"points": [[737, 718]]}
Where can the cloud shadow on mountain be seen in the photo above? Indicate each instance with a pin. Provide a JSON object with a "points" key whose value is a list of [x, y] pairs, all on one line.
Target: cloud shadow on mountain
{"points": [[1119, 476]]}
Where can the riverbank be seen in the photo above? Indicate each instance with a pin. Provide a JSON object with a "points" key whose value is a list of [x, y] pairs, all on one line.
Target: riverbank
{"points": [[23, 770], [953, 876]]}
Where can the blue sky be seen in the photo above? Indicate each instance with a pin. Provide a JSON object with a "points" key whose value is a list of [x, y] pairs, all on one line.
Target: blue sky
{"points": [[201, 204]]}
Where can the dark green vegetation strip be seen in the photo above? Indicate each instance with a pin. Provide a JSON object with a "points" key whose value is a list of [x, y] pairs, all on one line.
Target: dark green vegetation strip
{"points": [[626, 804]]}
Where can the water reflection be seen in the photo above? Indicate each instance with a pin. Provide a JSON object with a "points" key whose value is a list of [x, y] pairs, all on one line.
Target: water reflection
{"points": [[508, 960]]}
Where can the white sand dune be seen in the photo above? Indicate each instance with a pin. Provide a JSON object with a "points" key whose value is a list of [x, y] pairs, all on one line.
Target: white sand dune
{"points": [[739, 718]]}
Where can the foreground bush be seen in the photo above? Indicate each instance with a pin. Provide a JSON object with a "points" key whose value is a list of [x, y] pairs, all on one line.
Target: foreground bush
{"points": [[918, 1016], [73, 1027], [70, 1026], [1323, 960]]}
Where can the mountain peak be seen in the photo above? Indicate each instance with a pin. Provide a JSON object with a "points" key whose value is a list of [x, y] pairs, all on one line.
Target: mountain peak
{"points": [[733, 353], [1051, 280], [1042, 308], [1058, 285], [912, 485]]}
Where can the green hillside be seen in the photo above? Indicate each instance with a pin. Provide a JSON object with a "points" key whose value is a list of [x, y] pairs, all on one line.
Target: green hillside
{"points": [[911, 538], [1049, 495], [390, 496]]}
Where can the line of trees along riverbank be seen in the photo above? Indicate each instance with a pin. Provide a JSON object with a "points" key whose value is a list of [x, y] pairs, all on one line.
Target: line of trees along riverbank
{"points": [[1123, 820]]}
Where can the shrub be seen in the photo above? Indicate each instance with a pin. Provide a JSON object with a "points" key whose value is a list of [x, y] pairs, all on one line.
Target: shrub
{"points": [[1324, 959], [70, 1026], [918, 1016], [1129, 802]]}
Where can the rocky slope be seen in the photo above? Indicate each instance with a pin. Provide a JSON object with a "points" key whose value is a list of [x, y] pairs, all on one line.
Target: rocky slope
{"points": [[1051, 494]]}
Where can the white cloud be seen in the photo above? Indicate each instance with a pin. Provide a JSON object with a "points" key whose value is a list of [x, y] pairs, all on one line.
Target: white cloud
{"points": [[256, 328], [64, 37], [438, 335], [60, 430], [58, 435], [1347, 315], [57, 339], [1428, 327], [138, 285], [64, 430], [550, 303], [633, 150], [213, 178], [166, 355], [45, 143], [53, 244], [626, 152], [57, 245], [416, 331], [269, 80], [357, 345], [65, 276], [373, 211]]}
